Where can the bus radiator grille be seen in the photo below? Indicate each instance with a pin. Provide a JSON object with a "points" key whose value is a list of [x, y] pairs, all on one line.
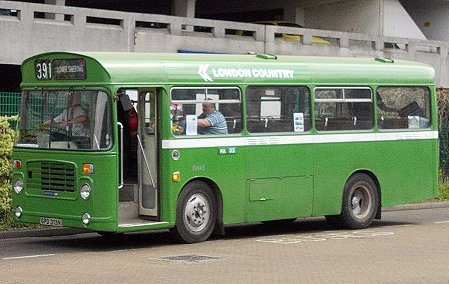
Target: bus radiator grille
{"points": [[51, 176]]}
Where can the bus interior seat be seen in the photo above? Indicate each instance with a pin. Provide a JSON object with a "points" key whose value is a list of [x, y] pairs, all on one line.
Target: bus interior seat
{"points": [[393, 123], [336, 123], [262, 125], [256, 125], [234, 125]]}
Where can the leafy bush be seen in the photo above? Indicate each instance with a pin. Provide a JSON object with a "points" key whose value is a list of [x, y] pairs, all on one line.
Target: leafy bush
{"points": [[443, 187], [6, 143], [444, 191]]}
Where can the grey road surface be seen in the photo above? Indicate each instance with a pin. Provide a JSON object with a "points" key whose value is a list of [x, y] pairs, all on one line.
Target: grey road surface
{"points": [[409, 246]]}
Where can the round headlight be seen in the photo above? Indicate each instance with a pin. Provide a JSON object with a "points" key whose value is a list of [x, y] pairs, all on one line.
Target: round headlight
{"points": [[85, 218], [18, 212], [18, 186], [85, 191]]}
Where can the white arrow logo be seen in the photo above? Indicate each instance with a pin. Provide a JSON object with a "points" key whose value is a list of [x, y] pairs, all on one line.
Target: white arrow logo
{"points": [[202, 71]]}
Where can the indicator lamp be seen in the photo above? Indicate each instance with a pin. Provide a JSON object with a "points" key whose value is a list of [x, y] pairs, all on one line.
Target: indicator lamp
{"points": [[88, 168], [176, 176]]}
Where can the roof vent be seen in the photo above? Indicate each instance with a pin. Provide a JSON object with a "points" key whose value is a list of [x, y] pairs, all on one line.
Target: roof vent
{"points": [[267, 56], [384, 60]]}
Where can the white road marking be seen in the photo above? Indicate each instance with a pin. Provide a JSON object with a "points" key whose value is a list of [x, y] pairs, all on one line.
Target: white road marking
{"points": [[442, 222], [28, 256], [325, 236]]}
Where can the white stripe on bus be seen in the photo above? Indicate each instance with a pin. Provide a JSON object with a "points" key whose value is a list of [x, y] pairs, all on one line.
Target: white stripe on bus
{"points": [[226, 141]]}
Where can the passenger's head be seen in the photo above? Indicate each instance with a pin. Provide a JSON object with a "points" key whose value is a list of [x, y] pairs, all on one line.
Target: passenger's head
{"points": [[125, 101], [208, 107]]}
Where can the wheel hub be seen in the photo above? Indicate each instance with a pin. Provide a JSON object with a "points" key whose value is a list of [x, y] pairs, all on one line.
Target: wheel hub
{"points": [[360, 202], [197, 213], [356, 203]]}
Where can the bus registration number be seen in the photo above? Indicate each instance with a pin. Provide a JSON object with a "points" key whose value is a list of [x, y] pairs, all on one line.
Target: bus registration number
{"points": [[51, 222]]}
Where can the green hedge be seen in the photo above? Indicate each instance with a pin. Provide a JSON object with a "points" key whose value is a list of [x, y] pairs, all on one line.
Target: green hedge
{"points": [[6, 143]]}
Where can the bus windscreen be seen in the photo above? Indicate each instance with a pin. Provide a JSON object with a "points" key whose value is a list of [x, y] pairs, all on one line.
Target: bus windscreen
{"points": [[65, 119]]}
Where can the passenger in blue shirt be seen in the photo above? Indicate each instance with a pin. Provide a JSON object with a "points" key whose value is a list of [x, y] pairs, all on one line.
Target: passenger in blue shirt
{"points": [[211, 121]]}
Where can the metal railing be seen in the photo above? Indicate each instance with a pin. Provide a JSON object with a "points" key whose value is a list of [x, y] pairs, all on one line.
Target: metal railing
{"points": [[9, 103], [31, 26]]}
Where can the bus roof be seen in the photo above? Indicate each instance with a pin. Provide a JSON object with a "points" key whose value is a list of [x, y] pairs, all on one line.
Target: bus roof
{"points": [[219, 69]]}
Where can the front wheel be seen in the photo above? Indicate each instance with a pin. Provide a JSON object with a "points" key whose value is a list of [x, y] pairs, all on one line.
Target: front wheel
{"points": [[360, 203], [196, 213]]}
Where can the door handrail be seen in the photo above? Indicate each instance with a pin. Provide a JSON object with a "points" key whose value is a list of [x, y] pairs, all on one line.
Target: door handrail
{"points": [[120, 125], [146, 161]]}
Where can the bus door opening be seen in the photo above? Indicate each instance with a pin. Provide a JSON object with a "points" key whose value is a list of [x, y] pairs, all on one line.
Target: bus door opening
{"points": [[147, 153], [136, 110]]}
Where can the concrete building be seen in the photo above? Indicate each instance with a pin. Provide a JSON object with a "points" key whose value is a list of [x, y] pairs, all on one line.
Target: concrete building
{"points": [[412, 30], [431, 17]]}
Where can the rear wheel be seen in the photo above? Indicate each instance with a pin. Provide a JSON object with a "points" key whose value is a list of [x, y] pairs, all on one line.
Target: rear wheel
{"points": [[196, 213], [360, 203]]}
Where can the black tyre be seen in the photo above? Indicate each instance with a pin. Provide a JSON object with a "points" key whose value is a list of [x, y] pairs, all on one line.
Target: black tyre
{"points": [[109, 235], [360, 203], [196, 213]]}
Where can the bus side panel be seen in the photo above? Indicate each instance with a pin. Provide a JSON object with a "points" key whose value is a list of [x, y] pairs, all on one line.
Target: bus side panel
{"points": [[407, 170], [334, 163], [280, 181], [223, 166]]}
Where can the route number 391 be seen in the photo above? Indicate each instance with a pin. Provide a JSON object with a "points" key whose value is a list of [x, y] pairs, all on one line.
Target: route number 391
{"points": [[43, 70]]}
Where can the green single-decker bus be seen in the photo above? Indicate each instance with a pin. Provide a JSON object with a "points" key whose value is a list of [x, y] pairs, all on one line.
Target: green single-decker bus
{"points": [[127, 142]]}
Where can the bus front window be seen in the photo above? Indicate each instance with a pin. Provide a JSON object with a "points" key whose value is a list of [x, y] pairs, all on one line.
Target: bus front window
{"points": [[65, 119]]}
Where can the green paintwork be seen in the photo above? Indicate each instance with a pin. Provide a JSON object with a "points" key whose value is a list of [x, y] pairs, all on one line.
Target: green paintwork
{"points": [[142, 69], [254, 183]]}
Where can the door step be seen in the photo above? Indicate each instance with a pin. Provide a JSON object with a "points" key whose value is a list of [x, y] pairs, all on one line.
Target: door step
{"points": [[128, 192], [128, 223], [128, 210], [129, 216]]}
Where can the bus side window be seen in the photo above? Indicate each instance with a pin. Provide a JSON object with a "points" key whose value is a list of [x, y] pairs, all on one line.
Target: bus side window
{"points": [[278, 109], [403, 107], [343, 109], [216, 111]]}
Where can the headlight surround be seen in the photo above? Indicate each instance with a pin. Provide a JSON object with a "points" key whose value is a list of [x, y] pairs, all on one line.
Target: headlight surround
{"points": [[85, 191], [18, 186]]}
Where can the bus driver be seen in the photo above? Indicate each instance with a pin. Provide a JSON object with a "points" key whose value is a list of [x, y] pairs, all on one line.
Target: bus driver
{"points": [[74, 121], [74, 117]]}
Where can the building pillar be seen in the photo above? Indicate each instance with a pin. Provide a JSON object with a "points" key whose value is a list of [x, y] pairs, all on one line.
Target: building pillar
{"points": [[184, 8], [294, 14], [57, 17]]}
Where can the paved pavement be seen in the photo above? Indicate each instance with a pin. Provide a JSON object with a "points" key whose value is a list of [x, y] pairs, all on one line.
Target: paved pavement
{"points": [[54, 231], [407, 246]]}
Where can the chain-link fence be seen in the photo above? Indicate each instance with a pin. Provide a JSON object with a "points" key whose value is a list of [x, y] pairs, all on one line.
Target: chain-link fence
{"points": [[443, 122], [9, 103]]}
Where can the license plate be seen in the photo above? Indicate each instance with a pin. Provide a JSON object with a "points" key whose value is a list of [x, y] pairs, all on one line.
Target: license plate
{"points": [[51, 222]]}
